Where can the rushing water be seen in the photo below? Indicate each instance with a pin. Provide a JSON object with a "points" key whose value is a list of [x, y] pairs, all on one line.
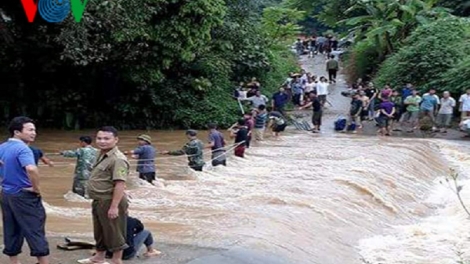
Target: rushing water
{"points": [[306, 198]]}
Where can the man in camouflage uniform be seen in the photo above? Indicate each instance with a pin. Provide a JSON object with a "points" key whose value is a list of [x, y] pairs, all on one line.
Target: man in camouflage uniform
{"points": [[86, 156], [193, 149]]}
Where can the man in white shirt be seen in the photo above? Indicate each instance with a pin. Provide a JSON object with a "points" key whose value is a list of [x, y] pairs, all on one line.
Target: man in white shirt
{"points": [[464, 107], [310, 86], [444, 116], [322, 90]]}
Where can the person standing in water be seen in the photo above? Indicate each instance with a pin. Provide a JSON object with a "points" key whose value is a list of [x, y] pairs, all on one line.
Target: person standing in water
{"points": [[193, 149], [145, 153], [217, 144], [85, 155], [277, 122], [39, 156], [239, 131], [261, 118], [109, 207], [23, 213], [250, 124]]}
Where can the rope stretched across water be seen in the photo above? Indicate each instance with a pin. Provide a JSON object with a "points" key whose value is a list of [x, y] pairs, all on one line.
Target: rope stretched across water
{"points": [[160, 158], [133, 162]]}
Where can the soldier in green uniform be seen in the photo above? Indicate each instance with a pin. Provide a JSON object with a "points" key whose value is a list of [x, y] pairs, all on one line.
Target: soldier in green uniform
{"points": [[194, 149], [86, 156]]}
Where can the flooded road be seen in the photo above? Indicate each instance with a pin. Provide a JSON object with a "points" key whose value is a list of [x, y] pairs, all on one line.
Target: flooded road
{"points": [[307, 198]]}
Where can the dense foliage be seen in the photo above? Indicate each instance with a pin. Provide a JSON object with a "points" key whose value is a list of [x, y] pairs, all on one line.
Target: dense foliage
{"points": [[138, 63], [427, 54], [362, 61], [424, 42]]}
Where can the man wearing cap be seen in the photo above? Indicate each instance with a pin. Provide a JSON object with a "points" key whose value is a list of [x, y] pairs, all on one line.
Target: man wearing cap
{"points": [[193, 149], [145, 153]]}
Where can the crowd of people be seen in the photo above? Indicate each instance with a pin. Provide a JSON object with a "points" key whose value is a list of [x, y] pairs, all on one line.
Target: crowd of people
{"points": [[316, 45], [404, 109], [100, 175], [101, 172]]}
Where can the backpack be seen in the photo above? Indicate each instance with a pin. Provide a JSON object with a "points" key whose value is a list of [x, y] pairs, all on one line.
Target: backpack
{"points": [[352, 127], [340, 123]]}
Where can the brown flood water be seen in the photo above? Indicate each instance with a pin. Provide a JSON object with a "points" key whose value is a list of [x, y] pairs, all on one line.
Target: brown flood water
{"points": [[284, 197], [57, 181], [308, 198]]}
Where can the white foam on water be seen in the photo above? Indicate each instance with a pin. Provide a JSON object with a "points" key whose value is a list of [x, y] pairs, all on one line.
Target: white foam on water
{"points": [[441, 238]]}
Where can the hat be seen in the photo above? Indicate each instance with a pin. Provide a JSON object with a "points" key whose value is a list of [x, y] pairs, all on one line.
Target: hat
{"points": [[145, 138], [191, 132]]}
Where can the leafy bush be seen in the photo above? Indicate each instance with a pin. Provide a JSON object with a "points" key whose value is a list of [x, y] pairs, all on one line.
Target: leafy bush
{"points": [[169, 64], [452, 80], [362, 61], [281, 62], [430, 51]]}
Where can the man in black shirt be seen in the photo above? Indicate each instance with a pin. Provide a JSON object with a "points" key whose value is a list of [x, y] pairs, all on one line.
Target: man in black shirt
{"points": [[317, 111]]}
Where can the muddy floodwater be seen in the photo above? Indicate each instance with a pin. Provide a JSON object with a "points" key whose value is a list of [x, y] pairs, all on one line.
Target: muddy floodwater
{"points": [[322, 198]]}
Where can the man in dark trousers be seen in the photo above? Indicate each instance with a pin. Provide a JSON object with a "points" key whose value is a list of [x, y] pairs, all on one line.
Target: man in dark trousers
{"points": [[332, 67], [23, 213], [137, 237], [317, 111], [239, 131], [194, 149], [109, 207], [145, 154], [217, 144], [280, 99]]}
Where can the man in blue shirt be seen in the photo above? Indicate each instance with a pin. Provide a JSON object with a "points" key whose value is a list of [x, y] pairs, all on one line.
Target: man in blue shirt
{"points": [[39, 155], [406, 91], [23, 213], [280, 100], [429, 105], [145, 153]]}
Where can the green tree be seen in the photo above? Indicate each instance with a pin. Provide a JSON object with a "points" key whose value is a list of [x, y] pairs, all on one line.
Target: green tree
{"points": [[281, 24], [165, 64], [388, 23], [427, 54]]}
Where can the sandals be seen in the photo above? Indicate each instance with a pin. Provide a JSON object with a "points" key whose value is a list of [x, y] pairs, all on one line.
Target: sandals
{"points": [[90, 261]]}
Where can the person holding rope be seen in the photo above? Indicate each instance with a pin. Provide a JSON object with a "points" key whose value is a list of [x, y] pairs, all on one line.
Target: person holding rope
{"points": [[40, 156], [193, 149], [239, 131], [217, 144], [277, 122], [86, 155], [145, 153]]}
